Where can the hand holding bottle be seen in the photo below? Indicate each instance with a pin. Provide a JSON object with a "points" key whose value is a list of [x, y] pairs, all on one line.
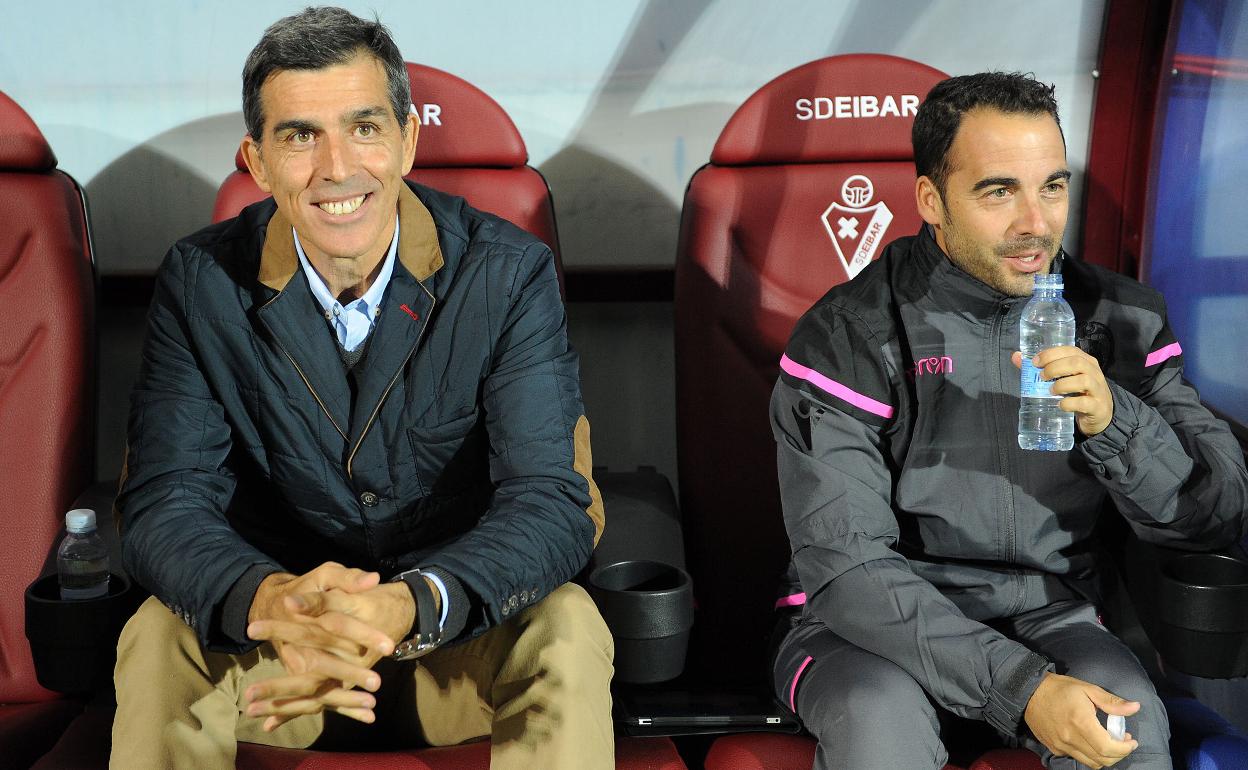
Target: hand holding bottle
{"points": [[1078, 377]]}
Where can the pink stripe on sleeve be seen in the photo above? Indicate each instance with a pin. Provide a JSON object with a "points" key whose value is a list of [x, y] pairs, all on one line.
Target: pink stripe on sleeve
{"points": [[1157, 356], [793, 687], [853, 398], [792, 600]]}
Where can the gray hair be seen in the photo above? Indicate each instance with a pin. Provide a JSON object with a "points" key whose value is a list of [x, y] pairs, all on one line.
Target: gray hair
{"points": [[316, 38]]}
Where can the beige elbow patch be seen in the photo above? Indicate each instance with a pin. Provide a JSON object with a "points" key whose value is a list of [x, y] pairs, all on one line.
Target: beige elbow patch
{"points": [[583, 463]]}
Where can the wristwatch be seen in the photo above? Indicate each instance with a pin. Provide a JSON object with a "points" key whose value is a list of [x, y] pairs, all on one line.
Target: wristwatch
{"points": [[427, 632]]}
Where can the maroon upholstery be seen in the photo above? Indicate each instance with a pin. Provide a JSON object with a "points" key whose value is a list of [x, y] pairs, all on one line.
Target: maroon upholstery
{"points": [[1008, 759], [22, 146], [840, 109], [630, 754], [473, 756], [46, 397], [811, 176], [764, 751], [468, 146], [768, 226], [28, 729]]}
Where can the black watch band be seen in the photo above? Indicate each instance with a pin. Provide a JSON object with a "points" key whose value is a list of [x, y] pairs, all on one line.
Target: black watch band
{"points": [[427, 632]]}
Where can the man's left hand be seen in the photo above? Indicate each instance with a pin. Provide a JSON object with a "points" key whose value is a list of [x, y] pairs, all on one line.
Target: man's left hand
{"points": [[1077, 376], [388, 608]]}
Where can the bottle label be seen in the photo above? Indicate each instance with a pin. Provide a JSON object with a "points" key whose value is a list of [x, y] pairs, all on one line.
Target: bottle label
{"points": [[1033, 385]]}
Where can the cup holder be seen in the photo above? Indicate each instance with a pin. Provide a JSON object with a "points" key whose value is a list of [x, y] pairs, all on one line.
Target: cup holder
{"points": [[74, 642], [1203, 614], [648, 606]]}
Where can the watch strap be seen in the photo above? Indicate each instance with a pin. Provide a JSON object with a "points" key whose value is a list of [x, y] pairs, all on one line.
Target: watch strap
{"points": [[427, 631]]}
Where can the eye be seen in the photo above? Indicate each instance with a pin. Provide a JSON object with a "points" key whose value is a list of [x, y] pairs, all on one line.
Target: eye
{"points": [[366, 130], [1055, 188], [999, 193], [301, 137]]}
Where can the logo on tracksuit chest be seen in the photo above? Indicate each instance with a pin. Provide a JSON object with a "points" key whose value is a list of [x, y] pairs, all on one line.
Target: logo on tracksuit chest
{"points": [[856, 229], [930, 365]]}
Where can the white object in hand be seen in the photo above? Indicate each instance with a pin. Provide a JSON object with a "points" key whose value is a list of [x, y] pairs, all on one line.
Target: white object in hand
{"points": [[1116, 725]]}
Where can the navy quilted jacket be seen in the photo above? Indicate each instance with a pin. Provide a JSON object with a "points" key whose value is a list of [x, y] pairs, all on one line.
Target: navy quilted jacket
{"points": [[460, 445]]}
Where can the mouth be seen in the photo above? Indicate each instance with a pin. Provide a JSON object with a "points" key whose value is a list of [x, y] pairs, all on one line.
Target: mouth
{"points": [[342, 208], [1026, 262]]}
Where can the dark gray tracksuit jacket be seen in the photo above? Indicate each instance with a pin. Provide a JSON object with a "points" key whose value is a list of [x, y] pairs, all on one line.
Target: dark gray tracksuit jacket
{"points": [[914, 518]]}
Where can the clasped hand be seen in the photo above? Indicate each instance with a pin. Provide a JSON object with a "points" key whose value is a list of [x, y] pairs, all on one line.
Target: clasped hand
{"points": [[1077, 376], [329, 627]]}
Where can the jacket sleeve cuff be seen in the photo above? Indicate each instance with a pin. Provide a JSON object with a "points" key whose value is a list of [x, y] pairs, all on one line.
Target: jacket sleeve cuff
{"points": [[1012, 688], [232, 620], [1111, 442], [456, 604]]}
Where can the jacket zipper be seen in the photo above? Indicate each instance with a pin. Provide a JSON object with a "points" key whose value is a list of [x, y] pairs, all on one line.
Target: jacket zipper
{"points": [[1011, 547], [377, 409]]}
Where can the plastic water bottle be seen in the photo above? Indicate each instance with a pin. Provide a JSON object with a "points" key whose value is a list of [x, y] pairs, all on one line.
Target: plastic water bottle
{"points": [[1047, 322], [82, 559]]}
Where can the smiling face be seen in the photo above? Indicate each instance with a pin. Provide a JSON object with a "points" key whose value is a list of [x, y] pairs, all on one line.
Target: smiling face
{"points": [[1003, 212], [333, 156]]}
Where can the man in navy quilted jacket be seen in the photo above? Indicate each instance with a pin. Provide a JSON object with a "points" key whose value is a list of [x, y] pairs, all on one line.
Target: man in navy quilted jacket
{"points": [[358, 477], [941, 569]]}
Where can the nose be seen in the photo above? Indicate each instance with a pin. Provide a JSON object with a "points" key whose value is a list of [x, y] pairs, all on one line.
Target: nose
{"points": [[1029, 216], [334, 158]]}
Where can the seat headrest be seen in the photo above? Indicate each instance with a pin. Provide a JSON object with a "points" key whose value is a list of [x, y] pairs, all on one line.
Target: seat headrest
{"points": [[460, 124], [22, 146], [838, 109]]}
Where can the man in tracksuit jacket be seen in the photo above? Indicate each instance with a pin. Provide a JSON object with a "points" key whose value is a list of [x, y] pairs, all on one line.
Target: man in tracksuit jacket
{"points": [[942, 568], [358, 477]]}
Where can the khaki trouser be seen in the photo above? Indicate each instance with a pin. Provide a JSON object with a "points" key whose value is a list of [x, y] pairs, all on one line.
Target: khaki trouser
{"points": [[537, 686]]}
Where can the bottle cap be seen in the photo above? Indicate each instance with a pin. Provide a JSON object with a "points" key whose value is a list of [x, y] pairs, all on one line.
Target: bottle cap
{"points": [[80, 520], [1116, 726], [1048, 281]]}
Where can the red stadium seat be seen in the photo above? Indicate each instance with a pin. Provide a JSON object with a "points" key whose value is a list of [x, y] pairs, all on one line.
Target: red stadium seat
{"points": [[1007, 759], [635, 753], [468, 146], [46, 404], [798, 196], [762, 751], [811, 176]]}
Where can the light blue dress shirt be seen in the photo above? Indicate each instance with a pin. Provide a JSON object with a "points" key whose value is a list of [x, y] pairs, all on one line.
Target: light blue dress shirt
{"points": [[353, 322]]}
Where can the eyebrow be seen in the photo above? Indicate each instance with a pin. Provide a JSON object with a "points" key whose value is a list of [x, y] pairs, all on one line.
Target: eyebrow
{"points": [[1009, 181], [995, 181], [366, 112], [295, 124]]}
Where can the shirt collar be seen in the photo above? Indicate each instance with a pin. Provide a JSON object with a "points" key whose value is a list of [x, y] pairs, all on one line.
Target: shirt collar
{"points": [[371, 298]]}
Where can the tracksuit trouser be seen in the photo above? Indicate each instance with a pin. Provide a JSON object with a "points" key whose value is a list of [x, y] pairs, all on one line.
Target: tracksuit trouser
{"points": [[867, 713]]}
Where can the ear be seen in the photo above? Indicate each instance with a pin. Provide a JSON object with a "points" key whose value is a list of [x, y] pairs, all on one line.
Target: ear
{"points": [[251, 156], [409, 142], [929, 202]]}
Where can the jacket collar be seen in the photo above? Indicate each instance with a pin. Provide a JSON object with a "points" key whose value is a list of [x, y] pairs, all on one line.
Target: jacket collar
{"points": [[419, 251]]}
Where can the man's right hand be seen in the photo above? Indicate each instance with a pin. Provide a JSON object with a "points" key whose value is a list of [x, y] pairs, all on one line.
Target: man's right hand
{"points": [[1062, 716], [324, 667]]}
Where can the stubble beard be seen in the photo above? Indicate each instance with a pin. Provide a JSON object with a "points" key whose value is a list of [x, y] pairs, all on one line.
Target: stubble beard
{"points": [[987, 263]]}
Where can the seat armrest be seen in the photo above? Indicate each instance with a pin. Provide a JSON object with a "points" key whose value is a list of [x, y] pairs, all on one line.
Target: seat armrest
{"points": [[643, 519]]}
